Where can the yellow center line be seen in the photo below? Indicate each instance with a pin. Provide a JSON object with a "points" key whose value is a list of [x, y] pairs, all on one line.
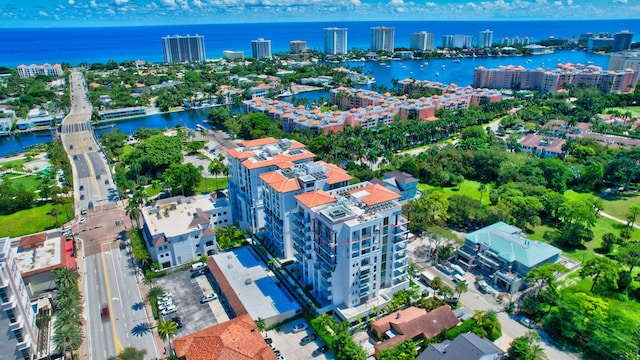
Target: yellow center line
{"points": [[118, 345]]}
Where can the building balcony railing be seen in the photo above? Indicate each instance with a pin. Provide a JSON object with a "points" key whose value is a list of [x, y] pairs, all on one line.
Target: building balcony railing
{"points": [[10, 304], [298, 256], [18, 324]]}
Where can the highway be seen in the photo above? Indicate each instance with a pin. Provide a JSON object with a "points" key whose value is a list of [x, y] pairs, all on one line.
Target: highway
{"points": [[107, 270]]}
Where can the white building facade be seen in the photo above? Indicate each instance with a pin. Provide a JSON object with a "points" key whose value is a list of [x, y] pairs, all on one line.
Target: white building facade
{"points": [[335, 41], [18, 339], [422, 41], [350, 244], [246, 164], [180, 229], [382, 38], [187, 48], [261, 48], [27, 71], [485, 39], [279, 188]]}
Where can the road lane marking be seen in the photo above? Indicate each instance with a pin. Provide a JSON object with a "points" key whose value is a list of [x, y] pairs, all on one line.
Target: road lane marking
{"points": [[118, 345]]}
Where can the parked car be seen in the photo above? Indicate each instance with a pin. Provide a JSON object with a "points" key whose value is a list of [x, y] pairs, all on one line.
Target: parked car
{"points": [[82, 220], [321, 350], [526, 322], [165, 305], [299, 327], [268, 340], [169, 310], [178, 321], [207, 297], [83, 211], [307, 339]]}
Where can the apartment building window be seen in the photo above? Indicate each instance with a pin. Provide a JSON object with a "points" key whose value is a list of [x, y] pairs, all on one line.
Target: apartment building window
{"points": [[25, 354], [11, 315], [18, 334], [4, 297]]}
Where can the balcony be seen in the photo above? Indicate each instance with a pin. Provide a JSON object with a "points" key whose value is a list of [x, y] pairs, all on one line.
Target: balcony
{"points": [[19, 324], [11, 304]]}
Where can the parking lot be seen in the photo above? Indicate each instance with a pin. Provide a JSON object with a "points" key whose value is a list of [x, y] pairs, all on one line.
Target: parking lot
{"points": [[186, 292], [288, 342]]}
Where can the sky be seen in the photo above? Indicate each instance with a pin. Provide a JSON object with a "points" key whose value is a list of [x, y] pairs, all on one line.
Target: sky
{"points": [[81, 13]]}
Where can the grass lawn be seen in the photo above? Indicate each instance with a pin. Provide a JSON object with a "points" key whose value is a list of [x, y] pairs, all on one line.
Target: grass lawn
{"points": [[32, 220], [618, 204], [126, 150], [603, 226], [635, 110], [468, 187], [13, 164], [30, 182], [209, 184]]}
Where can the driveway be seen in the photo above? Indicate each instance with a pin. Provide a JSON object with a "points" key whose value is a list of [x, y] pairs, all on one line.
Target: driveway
{"points": [[289, 343]]}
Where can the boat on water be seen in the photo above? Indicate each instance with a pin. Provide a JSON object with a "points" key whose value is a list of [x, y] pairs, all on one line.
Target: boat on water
{"points": [[529, 60], [382, 64], [402, 66], [456, 61], [437, 73], [444, 67]]}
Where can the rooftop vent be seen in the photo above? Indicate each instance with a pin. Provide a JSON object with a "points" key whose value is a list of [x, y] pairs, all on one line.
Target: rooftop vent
{"points": [[247, 282]]}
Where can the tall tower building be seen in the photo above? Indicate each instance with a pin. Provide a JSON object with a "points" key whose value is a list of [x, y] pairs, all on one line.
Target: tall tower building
{"points": [[17, 318], [335, 40], [622, 40], [422, 41], [382, 38], [188, 48], [297, 46], [261, 48], [353, 244], [485, 39], [457, 41]]}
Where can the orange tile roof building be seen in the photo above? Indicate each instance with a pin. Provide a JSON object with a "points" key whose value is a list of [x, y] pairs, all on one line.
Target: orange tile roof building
{"points": [[368, 108], [352, 243], [280, 186], [411, 323], [236, 339], [552, 80], [246, 164]]}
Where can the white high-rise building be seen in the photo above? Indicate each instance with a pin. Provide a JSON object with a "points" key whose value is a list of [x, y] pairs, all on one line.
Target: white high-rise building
{"points": [[261, 48], [457, 41], [382, 38], [279, 188], [335, 40], [17, 318], [246, 164], [189, 48], [485, 39], [353, 241], [422, 41]]}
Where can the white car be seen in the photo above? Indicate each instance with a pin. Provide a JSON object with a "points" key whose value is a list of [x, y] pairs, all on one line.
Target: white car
{"points": [[299, 327], [82, 220], [169, 310]]}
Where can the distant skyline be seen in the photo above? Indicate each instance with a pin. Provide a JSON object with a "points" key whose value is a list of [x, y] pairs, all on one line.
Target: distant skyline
{"points": [[90, 13]]}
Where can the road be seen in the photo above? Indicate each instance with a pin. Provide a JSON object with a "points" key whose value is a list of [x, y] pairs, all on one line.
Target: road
{"points": [[111, 282], [106, 267]]}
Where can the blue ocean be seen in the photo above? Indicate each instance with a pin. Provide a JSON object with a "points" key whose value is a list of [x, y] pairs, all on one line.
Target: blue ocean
{"points": [[101, 44]]}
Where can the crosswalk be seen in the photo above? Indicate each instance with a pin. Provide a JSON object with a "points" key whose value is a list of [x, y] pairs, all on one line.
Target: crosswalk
{"points": [[72, 128]]}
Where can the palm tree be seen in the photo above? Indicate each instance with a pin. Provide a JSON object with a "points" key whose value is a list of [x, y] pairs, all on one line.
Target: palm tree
{"points": [[482, 188], [67, 339], [461, 287], [437, 283], [64, 318], [154, 293], [167, 330], [260, 324], [66, 277], [134, 213]]}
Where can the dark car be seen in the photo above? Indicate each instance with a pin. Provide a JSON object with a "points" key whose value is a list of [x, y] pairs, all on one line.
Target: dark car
{"points": [[104, 312], [268, 340], [307, 339], [178, 321], [321, 350]]}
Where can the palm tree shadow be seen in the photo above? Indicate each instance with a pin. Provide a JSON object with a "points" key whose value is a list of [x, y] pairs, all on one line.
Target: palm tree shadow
{"points": [[141, 329], [138, 306]]}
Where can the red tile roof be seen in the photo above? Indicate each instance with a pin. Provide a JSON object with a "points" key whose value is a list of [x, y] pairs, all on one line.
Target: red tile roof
{"points": [[375, 194], [315, 198], [280, 183], [259, 142], [236, 339]]}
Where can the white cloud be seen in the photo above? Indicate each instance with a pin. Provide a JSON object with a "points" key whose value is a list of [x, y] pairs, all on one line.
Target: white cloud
{"points": [[570, 2], [198, 3], [43, 13], [430, 4], [120, 2], [169, 3], [93, 3], [72, 2], [621, 1], [110, 12]]}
